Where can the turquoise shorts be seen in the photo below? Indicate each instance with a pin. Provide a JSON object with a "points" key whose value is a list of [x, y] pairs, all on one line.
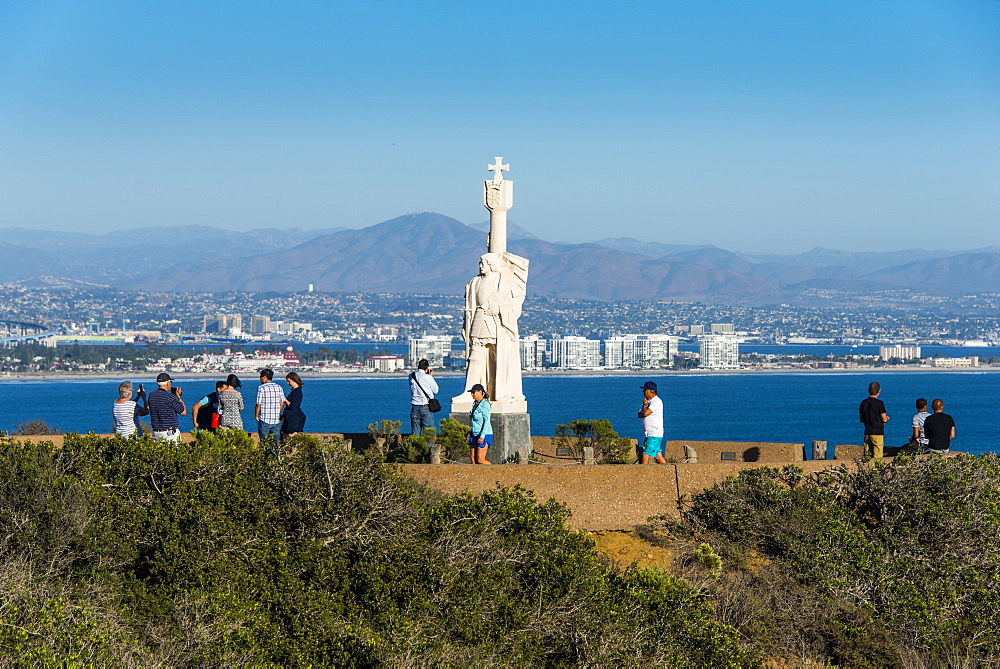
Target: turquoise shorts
{"points": [[653, 446]]}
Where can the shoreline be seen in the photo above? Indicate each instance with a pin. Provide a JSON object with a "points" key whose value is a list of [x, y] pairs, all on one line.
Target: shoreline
{"points": [[114, 376]]}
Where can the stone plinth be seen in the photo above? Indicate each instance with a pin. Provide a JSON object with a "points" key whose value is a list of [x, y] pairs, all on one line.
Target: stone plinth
{"points": [[511, 436]]}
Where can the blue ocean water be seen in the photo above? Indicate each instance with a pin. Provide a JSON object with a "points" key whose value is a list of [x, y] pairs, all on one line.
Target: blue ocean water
{"points": [[793, 407]]}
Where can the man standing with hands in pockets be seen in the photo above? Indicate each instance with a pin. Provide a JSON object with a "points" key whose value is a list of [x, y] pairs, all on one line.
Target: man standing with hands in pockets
{"points": [[651, 414]]}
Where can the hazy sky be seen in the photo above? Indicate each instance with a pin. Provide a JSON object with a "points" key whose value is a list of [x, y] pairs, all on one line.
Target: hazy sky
{"points": [[752, 125]]}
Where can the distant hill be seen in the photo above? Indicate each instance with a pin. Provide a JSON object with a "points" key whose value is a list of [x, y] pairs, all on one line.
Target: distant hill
{"points": [[436, 254], [651, 249], [864, 261], [514, 231], [115, 256], [958, 274], [432, 253]]}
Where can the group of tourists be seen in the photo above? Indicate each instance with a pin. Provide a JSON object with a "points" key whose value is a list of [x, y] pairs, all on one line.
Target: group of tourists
{"points": [[278, 416], [931, 432]]}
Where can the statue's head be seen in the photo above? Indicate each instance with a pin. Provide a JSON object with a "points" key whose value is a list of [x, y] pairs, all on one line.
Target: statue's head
{"points": [[489, 262]]}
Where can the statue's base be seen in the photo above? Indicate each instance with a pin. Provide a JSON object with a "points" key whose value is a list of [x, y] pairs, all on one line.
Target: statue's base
{"points": [[511, 435], [464, 405]]}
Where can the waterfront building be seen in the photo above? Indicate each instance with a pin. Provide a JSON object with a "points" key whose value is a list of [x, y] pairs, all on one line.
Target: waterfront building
{"points": [[643, 351], [576, 353], [433, 348], [972, 361], [385, 363], [719, 351], [899, 351], [722, 328], [533, 352]]}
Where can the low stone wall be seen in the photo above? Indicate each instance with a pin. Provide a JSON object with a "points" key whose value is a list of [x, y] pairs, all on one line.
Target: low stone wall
{"points": [[735, 451], [603, 497]]}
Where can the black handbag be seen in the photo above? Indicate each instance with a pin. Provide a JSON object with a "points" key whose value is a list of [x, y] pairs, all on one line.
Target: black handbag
{"points": [[432, 404]]}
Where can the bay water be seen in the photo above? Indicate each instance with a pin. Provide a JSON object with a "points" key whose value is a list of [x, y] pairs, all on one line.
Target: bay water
{"points": [[794, 407]]}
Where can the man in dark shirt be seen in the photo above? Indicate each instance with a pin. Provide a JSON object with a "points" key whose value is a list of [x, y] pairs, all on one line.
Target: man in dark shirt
{"points": [[939, 429], [872, 414], [164, 406]]}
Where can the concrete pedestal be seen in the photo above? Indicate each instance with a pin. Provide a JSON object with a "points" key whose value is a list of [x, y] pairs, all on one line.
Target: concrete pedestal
{"points": [[511, 436]]}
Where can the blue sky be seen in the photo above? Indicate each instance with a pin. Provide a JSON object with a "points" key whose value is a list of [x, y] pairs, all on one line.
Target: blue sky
{"points": [[756, 126]]}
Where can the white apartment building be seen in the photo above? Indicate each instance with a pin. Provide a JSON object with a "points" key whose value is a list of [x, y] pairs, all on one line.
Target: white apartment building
{"points": [[722, 328], [576, 353], [533, 350], [719, 351], [643, 351], [435, 348], [385, 363], [899, 351]]}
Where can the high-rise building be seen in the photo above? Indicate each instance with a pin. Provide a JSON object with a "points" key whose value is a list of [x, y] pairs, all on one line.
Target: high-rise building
{"points": [[260, 325], [899, 351], [533, 351], [643, 351], [435, 348], [722, 328], [223, 323], [576, 353], [719, 351]]}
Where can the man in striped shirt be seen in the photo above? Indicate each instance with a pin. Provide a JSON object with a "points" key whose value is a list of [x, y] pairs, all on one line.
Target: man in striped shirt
{"points": [[164, 405], [268, 409]]}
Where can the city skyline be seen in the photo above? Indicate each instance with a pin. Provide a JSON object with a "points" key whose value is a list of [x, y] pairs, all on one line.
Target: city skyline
{"points": [[760, 127]]}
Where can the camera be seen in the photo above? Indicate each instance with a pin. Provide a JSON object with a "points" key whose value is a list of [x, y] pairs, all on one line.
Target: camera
{"points": [[141, 389], [176, 390]]}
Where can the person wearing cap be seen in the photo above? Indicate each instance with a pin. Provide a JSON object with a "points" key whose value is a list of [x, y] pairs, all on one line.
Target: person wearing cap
{"points": [[270, 399], [231, 404], [651, 414], [165, 405], [481, 431]]}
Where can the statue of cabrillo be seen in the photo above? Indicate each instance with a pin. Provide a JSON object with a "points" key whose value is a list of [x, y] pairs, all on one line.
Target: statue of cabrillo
{"points": [[492, 306]]}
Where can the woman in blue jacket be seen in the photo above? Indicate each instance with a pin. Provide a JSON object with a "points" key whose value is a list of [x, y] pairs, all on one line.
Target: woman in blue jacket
{"points": [[481, 434]]}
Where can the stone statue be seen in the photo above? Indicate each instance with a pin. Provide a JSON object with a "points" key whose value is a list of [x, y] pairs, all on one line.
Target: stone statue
{"points": [[493, 301], [492, 306]]}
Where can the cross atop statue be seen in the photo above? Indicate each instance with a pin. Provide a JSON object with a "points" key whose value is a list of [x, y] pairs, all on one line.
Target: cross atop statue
{"points": [[498, 167]]}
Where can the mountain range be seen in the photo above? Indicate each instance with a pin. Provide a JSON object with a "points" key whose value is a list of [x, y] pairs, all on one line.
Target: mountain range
{"points": [[432, 253]]}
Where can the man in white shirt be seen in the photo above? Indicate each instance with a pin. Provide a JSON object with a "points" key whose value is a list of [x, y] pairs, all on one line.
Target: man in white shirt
{"points": [[422, 389], [918, 426], [651, 414]]}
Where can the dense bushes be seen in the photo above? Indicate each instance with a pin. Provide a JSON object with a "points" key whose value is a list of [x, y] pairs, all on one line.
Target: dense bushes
{"points": [[892, 564], [221, 552]]}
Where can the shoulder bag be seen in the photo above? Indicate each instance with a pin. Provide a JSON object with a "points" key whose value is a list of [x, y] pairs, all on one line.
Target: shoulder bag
{"points": [[432, 404]]}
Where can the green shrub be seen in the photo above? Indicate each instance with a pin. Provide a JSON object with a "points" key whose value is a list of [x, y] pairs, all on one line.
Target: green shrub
{"points": [[896, 563], [121, 551], [597, 434], [453, 436], [36, 426]]}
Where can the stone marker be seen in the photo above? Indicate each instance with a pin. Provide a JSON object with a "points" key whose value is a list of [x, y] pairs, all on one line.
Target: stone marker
{"points": [[819, 450]]}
